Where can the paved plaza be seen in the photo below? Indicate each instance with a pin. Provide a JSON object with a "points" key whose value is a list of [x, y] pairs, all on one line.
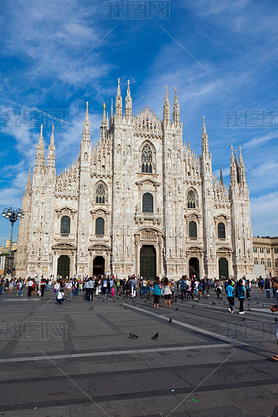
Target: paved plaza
{"points": [[75, 360]]}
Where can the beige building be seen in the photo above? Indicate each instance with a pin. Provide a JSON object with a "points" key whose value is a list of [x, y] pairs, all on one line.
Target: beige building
{"points": [[265, 256], [140, 201]]}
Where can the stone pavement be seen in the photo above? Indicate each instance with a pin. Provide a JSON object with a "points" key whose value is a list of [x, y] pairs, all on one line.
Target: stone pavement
{"points": [[74, 360]]}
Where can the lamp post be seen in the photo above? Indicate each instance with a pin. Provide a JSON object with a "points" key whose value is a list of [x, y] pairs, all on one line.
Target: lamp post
{"points": [[12, 216]]}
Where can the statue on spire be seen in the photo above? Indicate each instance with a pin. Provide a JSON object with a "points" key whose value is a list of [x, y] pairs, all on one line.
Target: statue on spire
{"points": [[86, 125], [118, 103]]}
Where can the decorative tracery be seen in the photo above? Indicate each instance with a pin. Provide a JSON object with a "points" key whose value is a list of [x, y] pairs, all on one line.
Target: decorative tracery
{"points": [[147, 159], [191, 199], [100, 194]]}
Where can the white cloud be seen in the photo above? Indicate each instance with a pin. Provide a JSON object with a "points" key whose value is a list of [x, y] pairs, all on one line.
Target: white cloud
{"points": [[261, 140]]}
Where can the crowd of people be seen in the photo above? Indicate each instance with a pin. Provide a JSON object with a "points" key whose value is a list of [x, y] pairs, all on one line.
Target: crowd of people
{"points": [[134, 286]]}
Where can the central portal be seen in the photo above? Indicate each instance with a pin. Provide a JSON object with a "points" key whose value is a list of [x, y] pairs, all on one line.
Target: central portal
{"points": [[148, 262], [194, 268], [98, 267]]}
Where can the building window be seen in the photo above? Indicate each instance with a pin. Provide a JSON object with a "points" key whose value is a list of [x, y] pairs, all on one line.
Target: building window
{"points": [[256, 262], [275, 250], [267, 250], [99, 226], [65, 225], [147, 203], [261, 250], [192, 229], [191, 199], [146, 159], [269, 264], [276, 264], [255, 249], [221, 231], [262, 262], [100, 194]]}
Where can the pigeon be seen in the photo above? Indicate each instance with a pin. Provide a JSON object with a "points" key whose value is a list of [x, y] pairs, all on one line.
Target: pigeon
{"points": [[170, 320], [243, 319], [155, 336], [132, 336], [192, 306], [91, 307], [206, 297], [213, 303], [177, 309], [249, 309], [103, 301]]}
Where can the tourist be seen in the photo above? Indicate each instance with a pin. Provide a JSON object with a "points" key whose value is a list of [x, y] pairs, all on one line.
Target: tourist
{"points": [[267, 287], [156, 292], [274, 308], [167, 292], [230, 296], [240, 294], [60, 297]]}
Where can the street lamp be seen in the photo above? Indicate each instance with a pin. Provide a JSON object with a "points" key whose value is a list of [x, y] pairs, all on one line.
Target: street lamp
{"points": [[12, 216]]}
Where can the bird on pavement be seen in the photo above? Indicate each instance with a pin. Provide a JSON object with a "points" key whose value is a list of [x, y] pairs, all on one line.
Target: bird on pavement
{"points": [[192, 306], [155, 336], [213, 303], [132, 336], [177, 309], [170, 320]]}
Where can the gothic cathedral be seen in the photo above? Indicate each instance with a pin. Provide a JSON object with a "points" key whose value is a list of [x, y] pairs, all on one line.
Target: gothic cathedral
{"points": [[139, 202]]}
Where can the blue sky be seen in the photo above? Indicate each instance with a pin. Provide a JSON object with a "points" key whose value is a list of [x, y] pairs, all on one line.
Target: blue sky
{"points": [[221, 55]]}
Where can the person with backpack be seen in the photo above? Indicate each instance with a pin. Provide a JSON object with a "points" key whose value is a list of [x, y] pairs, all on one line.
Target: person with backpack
{"points": [[240, 294]]}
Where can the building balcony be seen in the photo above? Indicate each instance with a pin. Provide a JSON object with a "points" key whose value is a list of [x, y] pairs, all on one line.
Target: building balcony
{"points": [[148, 218]]}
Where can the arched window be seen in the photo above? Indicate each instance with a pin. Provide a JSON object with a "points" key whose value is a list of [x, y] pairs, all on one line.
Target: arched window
{"points": [[221, 231], [65, 225], [147, 206], [146, 159], [192, 229], [99, 226], [191, 199], [100, 194]]}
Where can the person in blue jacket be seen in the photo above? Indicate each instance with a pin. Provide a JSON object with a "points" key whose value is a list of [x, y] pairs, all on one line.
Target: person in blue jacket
{"points": [[230, 296], [240, 294]]}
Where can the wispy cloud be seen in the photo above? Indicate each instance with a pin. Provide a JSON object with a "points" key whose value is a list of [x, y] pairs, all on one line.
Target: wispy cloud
{"points": [[261, 140]]}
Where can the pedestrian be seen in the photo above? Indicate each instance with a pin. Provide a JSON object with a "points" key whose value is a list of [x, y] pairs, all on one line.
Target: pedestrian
{"points": [[68, 289], [30, 286], [267, 287], [240, 294], [156, 292], [60, 297], [274, 308], [230, 296], [167, 292]]}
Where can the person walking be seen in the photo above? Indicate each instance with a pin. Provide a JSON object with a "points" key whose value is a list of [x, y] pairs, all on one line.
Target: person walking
{"points": [[267, 287], [167, 292], [230, 296], [274, 308], [156, 292], [240, 294]]}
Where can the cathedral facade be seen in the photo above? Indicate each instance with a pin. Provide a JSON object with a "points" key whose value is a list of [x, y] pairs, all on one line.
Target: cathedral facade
{"points": [[139, 202]]}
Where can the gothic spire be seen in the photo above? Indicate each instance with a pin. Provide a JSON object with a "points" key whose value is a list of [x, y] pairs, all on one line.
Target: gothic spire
{"points": [[103, 126], [233, 171], [128, 102], [111, 114], [86, 126], [166, 108], [205, 147], [28, 183], [176, 110], [51, 151], [221, 175], [40, 156], [242, 175], [118, 103]]}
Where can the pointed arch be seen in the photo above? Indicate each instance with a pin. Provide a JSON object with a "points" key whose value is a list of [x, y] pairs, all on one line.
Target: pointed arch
{"points": [[100, 193], [192, 199], [147, 157]]}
